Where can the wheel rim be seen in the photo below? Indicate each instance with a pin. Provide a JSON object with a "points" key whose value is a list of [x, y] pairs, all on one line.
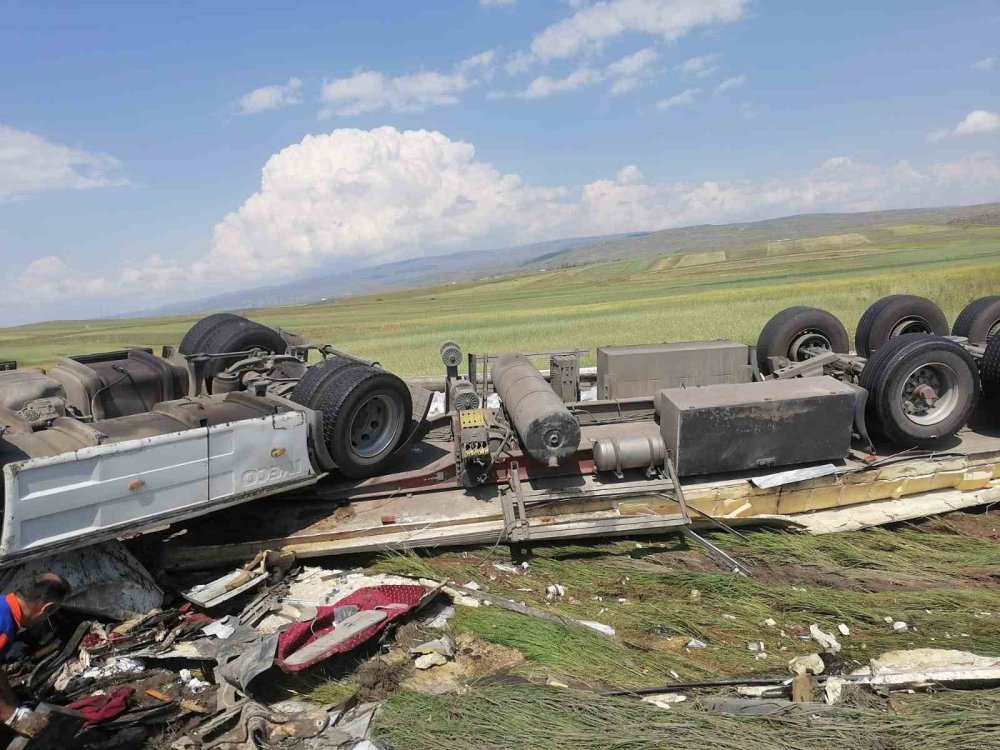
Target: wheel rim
{"points": [[807, 339], [910, 325], [375, 425], [930, 393], [994, 330]]}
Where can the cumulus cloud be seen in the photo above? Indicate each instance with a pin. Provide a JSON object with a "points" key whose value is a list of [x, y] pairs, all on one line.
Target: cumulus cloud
{"points": [[370, 91], [30, 164], [373, 196], [594, 25], [987, 63], [732, 82], [976, 122], [699, 67], [685, 97], [270, 97]]}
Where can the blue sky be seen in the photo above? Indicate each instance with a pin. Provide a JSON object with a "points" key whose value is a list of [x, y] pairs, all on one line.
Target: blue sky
{"points": [[133, 135]]}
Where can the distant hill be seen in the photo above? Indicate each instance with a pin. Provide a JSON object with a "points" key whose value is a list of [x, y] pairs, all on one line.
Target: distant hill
{"points": [[404, 274], [468, 266]]}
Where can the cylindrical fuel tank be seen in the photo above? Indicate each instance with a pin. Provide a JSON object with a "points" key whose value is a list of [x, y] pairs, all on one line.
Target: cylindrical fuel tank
{"points": [[629, 452], [548, 432]]}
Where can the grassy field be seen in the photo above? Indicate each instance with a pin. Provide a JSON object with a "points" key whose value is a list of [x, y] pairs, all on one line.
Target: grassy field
{"points": [[938, 575], [726, 293]]}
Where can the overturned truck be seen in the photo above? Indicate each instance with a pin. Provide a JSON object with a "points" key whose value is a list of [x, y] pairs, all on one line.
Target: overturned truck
{"points": [[109, 445]]}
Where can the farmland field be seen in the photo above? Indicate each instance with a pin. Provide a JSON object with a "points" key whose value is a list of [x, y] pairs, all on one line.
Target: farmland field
{"points": [[642, 300]]}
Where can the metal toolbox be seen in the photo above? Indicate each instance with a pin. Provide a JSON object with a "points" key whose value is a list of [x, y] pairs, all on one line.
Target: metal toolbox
{"points": [[722, 428], [644, 369]]}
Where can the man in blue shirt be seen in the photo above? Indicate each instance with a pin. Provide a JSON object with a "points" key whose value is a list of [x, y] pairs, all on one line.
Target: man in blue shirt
{"points": [[19, 611]]}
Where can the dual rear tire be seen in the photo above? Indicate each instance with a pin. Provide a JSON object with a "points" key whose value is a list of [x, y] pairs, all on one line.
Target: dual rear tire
{"points": [[366, 413]]}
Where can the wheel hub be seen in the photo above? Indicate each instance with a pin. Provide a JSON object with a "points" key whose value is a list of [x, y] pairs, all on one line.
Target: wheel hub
{"points": [[930, 393], [374, 425], [808, 339]]}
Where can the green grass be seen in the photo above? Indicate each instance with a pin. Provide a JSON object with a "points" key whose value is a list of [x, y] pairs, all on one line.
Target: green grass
{"points": [[643, 300], [943, 585], [939, 576], [519, 717]]}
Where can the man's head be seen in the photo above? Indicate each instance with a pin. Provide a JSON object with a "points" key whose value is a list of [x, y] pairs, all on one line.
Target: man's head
{"points": [[41, 598]]}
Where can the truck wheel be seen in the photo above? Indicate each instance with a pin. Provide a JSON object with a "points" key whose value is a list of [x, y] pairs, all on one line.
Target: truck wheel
{"points": [[979, 322], [989, 369], [312, 385], [794, 329], [894, 316], [194, 340], [239, 335], [920, 388], [366, 412]]}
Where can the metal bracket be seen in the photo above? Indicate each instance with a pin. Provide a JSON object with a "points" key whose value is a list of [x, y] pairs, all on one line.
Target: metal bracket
{"points": [[515, 518]]}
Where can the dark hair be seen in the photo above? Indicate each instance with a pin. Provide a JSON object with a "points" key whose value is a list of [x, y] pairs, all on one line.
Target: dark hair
{"points": [[47, 587]]}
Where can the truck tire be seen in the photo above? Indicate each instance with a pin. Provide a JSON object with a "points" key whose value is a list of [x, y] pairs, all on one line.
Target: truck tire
{"points": [[239, 335], [979, 322], [920, 388], [317, 379], [366, 412], [989, 369], [194, 340], [894, 316], [795, 328]]}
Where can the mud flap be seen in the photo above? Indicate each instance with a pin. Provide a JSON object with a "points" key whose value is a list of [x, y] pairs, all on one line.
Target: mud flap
{"points": [[860, 428]]}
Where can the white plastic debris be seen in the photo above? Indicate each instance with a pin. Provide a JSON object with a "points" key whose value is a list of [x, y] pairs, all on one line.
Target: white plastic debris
{"points": [[115, 666], [900, 627], [844, 630], [664, 700], [588, 394], [755, 646], [472, 585], [504, 568], [727, 616], [437, 404], [554, 589], [769, 622], [833, 689], [888, 619], [553, 682], [695, 643], [493, 401], [438, 620], [808, 664], [191, 682], [825, 640], [695, 595], [223, 628]]}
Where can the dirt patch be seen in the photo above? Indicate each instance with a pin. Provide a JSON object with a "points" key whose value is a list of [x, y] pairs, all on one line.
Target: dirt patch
{"points": [[379, 678], [476, 661], [974, 525]]}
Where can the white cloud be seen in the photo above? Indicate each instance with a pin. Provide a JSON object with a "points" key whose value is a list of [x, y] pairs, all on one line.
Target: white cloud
{"points": [[546, 86], [381, 195], [626, 74], [31, 164], [369, 91], [270, 97], [592, 26], [987, 63], [496, 3], [732, 82], [976, 122], [699, 67], [685, 97]]}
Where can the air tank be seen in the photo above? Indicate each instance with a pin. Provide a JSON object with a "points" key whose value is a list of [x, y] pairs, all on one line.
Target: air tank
{"points": [[639, 451], [548, 432]]}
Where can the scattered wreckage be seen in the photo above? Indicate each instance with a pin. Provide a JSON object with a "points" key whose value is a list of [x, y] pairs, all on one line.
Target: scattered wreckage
{"points": [[282, 459]]}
